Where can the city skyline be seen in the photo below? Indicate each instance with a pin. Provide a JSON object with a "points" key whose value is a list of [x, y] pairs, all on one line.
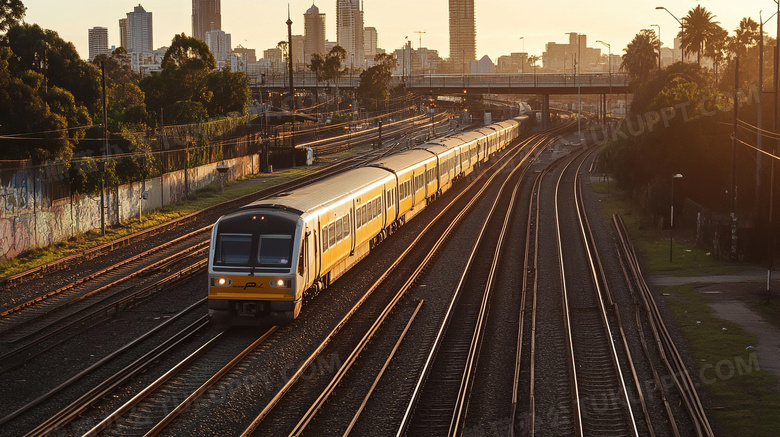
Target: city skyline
{"points": [[513, 28]]}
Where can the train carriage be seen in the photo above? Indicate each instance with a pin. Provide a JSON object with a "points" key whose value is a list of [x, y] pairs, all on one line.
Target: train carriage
{"points": [[266, 255], [412, 168]]}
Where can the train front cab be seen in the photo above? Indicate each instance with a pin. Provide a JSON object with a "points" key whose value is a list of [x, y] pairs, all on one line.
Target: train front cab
{"points": [[253, 273]]}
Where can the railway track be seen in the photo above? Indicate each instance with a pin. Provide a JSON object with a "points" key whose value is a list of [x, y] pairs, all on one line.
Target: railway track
{"points": [[41, 324], [596, 369], [687, 397], [270, 419], [440, 400]]}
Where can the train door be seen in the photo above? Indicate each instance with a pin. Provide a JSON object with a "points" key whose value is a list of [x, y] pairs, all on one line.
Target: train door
{"points": [[317, 250], [352, 228]]}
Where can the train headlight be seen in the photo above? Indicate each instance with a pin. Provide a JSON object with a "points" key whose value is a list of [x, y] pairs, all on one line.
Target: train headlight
{"points": [[221, 282], [281, 283]]}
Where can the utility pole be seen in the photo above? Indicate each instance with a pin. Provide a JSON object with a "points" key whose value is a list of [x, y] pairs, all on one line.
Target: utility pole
{"points": [[104, 166], [292, 88], [734, 161]]}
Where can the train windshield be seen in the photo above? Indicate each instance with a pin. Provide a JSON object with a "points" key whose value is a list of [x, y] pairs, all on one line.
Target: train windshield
{"points": [[255, 240], [274, 250], [233, 249]]}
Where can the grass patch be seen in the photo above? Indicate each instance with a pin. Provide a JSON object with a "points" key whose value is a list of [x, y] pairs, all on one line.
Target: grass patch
{"points": [[746, 397], [652, 244]]}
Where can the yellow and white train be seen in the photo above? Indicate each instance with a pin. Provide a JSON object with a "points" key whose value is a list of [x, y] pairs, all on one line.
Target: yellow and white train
{"points": [[266, 255]]}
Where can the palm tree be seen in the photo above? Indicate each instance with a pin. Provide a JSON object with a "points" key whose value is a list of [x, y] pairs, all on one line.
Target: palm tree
{"points": [[746, 36], [639, 60], [698, 28], [717, 48]]}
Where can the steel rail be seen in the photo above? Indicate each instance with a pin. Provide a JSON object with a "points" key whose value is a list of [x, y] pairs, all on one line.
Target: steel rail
{"points": [[666, 346], [596, 274], [382, 371], [294, 378], [540, 139], [99, 364]]}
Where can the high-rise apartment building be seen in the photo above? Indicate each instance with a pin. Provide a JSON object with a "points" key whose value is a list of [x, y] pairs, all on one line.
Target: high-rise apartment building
{"points": [[370, 42], [314, 31], [219, 44], [206, 16], [123, 33], [574, 57], [463, 34], [98, 42], [138, 30], [349, 27]]}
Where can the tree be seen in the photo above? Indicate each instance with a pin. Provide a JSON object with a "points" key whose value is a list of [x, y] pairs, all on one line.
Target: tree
{"points": [[639, 60], [333, 60], [43, 51], [185, 69], [188, 53], [230, 92], [698, 27], [375, 81], [24, 111], [745, 37], [11, 12], [716, 49]]}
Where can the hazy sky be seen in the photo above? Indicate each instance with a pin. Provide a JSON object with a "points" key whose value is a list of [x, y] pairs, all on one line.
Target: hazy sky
{"points": [[260, 24]]}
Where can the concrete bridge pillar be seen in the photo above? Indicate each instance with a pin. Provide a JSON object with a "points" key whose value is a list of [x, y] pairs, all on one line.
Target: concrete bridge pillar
{"points": [[545, 111]]}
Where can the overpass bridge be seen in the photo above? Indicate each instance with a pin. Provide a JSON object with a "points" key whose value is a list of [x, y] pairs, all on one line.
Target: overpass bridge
{"points": [[544, 84], [529, 83]]}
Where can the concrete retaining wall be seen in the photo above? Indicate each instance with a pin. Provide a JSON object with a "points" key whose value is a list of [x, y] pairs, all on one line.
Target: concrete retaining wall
{"points": [[29, 219]]}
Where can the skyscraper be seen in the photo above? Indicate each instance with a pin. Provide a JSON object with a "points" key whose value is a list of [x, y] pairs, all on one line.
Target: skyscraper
{"points": [[98, 42], [123, 33], [138, 27], [220, 45], [349, 27], [463, 34], [314, 24], [370, 42], [206, 16]]}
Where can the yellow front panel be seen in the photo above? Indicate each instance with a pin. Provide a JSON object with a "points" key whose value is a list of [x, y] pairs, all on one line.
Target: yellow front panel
{"points": [[251, 288]]}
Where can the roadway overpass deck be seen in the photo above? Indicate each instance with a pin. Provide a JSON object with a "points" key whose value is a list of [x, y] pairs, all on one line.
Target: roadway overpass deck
{"points": [[529, 83]]}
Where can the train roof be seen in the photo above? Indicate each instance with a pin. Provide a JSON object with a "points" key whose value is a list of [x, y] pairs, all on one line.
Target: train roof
{"points": [[322, 192], [402, 161]]}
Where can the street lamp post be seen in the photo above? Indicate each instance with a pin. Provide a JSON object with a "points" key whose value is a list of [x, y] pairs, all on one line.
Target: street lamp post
{"points": [[609, 50], [522, 63], [682, 32], [671, 216], [659, 45], [577, 69]]}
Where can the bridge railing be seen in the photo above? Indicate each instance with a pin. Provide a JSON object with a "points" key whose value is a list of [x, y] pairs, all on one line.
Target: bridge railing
{"points": [[529, 80]]}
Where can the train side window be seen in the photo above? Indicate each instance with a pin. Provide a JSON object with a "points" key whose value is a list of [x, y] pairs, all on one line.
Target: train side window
{"points": [[364, 213], [331, 234], [338, 230], [324, 238], [358, 219], [345, 226]]}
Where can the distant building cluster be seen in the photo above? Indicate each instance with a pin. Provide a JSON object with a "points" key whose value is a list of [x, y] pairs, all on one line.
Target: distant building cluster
{"points": [[360, 42]]}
